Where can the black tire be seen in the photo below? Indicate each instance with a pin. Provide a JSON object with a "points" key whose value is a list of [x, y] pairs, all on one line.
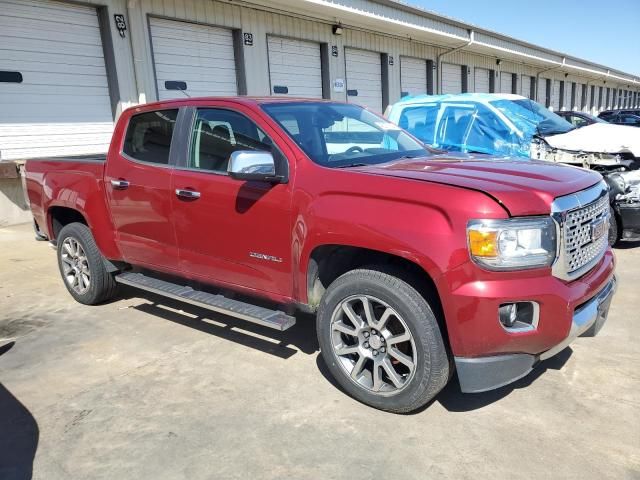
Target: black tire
{"points": [[614, 228], [102, 285], [431, 368]]}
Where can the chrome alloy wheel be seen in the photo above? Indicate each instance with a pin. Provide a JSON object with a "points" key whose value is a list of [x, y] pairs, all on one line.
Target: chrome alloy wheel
{"points": [[75, 265], [373, 344]]}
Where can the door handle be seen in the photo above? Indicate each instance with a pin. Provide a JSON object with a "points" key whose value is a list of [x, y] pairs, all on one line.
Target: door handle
{"points": [[187, 194], [120, 184]]}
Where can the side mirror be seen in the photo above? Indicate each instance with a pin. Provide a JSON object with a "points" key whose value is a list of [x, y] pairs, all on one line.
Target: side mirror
{"points": [[253, 165]]}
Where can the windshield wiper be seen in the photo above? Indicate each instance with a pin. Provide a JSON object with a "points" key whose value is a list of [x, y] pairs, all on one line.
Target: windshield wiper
{"points": [[350, 165], [555, 132]]}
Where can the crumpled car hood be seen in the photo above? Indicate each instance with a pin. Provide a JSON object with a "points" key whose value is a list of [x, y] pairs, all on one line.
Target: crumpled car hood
{"points": [[599, 137], [523, 187]]}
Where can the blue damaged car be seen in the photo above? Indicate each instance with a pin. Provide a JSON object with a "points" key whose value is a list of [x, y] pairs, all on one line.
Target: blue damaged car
{"points": [[514, 126]]}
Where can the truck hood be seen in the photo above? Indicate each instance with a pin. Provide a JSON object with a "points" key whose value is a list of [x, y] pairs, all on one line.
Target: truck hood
{"points": [[523, 187], [599, 137]]}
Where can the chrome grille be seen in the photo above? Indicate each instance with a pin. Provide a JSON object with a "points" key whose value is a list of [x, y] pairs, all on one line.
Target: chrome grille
{"points": [[579, 248], [576, 215]]}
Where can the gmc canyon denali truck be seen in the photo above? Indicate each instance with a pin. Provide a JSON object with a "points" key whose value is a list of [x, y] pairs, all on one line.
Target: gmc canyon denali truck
{"points": [[415, 264]]}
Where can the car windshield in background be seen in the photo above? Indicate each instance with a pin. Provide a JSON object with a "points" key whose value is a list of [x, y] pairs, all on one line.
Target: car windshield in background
{"points": [[593, 118], [340, 135], [532, 118]]}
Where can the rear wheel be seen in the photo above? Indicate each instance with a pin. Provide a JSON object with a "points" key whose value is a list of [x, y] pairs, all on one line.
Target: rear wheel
{"points": [[381, 341], [82, 266]]}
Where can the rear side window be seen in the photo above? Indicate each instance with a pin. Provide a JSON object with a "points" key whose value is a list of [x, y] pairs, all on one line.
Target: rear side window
{"points": [[421, 121], [148, 136]]}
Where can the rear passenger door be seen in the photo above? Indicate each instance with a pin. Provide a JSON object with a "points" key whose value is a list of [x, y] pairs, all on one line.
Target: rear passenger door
{"points": [[231, 232], [138, 182]]}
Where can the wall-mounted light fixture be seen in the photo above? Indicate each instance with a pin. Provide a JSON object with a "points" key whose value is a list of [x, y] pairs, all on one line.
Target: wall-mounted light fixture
{"points": [[498, 62], [337, 29]]}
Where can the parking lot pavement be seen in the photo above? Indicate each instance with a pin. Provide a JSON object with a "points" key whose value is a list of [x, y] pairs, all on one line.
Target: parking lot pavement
{"points": [[146, 388]]}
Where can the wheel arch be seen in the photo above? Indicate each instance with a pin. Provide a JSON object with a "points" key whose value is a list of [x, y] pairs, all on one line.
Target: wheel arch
{"points": [[328, 262], [59, 216]]}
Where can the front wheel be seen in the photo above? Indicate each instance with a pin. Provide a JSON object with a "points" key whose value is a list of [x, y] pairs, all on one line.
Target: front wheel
{"points": [[381, 341], [614, 228], [82, 266]]}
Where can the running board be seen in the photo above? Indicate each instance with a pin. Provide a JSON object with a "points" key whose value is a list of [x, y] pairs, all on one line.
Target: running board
{"points": [[218, 303]]}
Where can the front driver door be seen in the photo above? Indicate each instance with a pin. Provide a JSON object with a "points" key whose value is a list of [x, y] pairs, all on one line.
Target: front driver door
{"points": [[231, 232]]}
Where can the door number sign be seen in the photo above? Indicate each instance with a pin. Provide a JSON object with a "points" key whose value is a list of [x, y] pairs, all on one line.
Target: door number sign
{"points": [[248, 39], [120, 23]]}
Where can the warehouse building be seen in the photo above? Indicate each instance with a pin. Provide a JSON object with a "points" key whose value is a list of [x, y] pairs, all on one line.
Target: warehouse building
{"points": [[68, 69]]}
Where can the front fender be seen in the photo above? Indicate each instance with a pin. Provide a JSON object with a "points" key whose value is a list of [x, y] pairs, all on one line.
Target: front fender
{"points": [[422, 222]]}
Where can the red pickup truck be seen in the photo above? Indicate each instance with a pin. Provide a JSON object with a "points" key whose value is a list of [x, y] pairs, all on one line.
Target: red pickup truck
{"points": [[415, 263]]}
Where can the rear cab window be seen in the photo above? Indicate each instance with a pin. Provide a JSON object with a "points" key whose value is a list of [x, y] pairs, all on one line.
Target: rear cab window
{"points": [[148, 136]]}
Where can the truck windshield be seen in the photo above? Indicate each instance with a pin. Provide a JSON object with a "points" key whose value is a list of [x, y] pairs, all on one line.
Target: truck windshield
{"points": [[339, 135], [531, 118]]}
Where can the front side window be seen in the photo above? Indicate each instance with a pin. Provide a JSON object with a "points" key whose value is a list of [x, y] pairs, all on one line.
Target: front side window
{"points": [[148, 136], [217, 133], [577, 121], [341, 135]]}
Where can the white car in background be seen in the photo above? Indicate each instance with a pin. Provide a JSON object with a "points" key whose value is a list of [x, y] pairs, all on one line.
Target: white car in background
{"points": [[515, 126]]}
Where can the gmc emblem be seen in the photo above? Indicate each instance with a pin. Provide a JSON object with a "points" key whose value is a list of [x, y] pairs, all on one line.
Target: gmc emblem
{"points": [[598, 229]]}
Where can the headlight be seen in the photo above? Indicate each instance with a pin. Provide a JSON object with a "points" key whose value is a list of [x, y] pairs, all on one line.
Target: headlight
{"points": [[618, 178], [513, 244]]}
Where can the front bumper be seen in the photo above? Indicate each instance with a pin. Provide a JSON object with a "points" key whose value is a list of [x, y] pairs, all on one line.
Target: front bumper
{"points": [[630, 218], [480, 374]]}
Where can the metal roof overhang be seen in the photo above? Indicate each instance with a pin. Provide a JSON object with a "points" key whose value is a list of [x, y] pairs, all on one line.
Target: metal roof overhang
{"points": [[403, 21]]}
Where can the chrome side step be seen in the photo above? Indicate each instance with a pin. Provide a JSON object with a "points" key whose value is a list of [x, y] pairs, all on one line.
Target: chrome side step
{"points": [[218, 303]]}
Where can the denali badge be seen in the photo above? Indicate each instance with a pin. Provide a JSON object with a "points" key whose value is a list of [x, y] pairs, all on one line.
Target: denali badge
{"points": [[262, 256], [598, 229]]}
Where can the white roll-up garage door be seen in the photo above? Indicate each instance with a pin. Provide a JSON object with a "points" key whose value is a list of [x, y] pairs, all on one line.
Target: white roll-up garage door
{"points": [[451, 78], [62, 105], [555, 95], [364, 78], [577, 104], [506, 82], [413, 76], [481, 83], [525, 86], [542, 91], [295, 68], [199, 55]]}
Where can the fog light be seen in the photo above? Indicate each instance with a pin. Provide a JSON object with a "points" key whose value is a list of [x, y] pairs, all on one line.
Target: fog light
{"points": [[519, 316]]}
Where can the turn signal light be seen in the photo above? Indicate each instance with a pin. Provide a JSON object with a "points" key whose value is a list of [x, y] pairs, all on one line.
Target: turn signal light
{"points": [[483, 244]]}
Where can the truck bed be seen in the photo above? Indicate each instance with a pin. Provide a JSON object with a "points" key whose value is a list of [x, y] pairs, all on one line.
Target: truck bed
{"points": [[92, 158], [74, 182]]}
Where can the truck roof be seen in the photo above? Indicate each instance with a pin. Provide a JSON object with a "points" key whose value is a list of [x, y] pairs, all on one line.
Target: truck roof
{"points": [[246, 100]]}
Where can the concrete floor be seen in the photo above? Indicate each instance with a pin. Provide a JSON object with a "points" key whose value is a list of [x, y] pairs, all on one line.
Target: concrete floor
{"points": [[139, 388]]}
